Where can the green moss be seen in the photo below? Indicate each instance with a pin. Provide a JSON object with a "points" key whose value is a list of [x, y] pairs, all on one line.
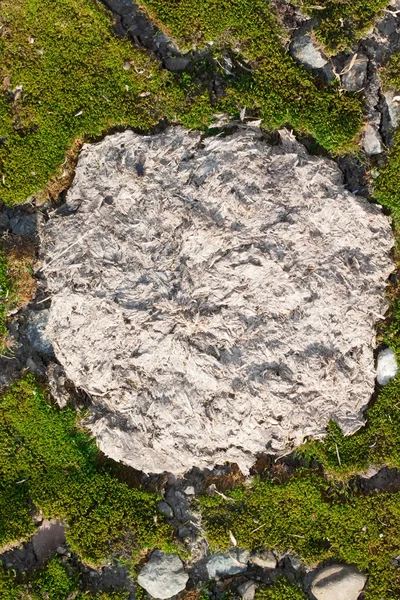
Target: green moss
{"points": [[342, 23], [57, 580], [279, 90], [74, 86], [54, 582], [315, 520], [45, 459], [70, 66], [5, 291], [281, 590]]}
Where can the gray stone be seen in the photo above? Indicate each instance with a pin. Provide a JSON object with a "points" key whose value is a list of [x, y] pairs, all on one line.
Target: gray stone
{"points": [[177, 64], [265, 560], [57, 384], [205, 249], [386, 367], [338, 582], [228, 563], [307, 52], [247, 590], [392, 98], [36, 331], [163, 576], [165, 510], [371, 140], [355, 74], [49, 536], [295, 562], [23, 224]]}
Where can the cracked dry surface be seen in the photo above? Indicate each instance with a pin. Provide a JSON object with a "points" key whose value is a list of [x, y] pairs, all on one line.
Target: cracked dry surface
{"points": [[215, 298]]}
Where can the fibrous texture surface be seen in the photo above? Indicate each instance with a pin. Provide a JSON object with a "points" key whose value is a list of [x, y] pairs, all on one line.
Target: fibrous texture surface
{"points": [[216, 298]]}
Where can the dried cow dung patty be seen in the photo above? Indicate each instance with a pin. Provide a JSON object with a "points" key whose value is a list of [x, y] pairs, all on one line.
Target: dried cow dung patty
{"points": [[216, 302]]}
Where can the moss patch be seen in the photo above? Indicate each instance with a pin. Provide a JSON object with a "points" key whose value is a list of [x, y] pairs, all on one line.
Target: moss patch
{"points": [[341, 24], [281, 590], [57, 580], [313, 519], [278, 89], [46, 461], [63, 79]]}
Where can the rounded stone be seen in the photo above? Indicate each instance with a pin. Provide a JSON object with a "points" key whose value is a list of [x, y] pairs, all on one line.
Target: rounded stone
{"points": [[338, 582], [386, 367], [224, 303], [163, 576]]}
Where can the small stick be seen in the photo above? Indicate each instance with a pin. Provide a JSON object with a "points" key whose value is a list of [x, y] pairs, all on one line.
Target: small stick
{"points": [[338, 455]]}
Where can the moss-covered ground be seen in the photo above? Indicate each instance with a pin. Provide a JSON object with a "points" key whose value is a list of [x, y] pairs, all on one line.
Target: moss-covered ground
{"points": [[63, 81], [48, 463], [341, 24], [57, 580]]}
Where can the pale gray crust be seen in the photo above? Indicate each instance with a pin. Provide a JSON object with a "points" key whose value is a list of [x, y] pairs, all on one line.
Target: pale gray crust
{"points": [[216, 298]]}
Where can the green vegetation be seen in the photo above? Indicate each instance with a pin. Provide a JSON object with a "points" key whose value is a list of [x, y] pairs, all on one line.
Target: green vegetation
{"points": [[73, 85], [48, 462], [281, 590], [4, 293], [342, 23], [387, 186], [376, 444], [313, 519], [280, 91], [55, 581], [63, 80]]}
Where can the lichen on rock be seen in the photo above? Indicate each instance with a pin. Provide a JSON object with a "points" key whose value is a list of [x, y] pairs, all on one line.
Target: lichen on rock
{"points": [[215, 297]]}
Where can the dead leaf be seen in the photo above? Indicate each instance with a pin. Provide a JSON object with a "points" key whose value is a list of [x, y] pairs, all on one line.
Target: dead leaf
{"points": [[6, 83]]}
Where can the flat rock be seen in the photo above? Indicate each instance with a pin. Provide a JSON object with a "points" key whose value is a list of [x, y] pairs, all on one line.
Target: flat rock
{"points": [[392, 98], [177, 64], [247, 590], [163, 576], [354, 76], [265, 560], [36, 331], [371, 140], [338, 582], [304, 49], [215, 299], [50, 535], [228, 563], [386, 367]]}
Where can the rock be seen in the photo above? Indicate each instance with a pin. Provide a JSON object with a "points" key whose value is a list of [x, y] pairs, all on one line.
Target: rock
{"points": [[393, 104], [163, 576], [247, 590], [177, 64], [295, 563], [338, 582], [228, 563], [386, 367], [50, 535], [265, 560], [371, 140], [304, 49], [36, 331], [22, 223], [57, 384], [165, 510], [353, 79], [214, 290]]}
